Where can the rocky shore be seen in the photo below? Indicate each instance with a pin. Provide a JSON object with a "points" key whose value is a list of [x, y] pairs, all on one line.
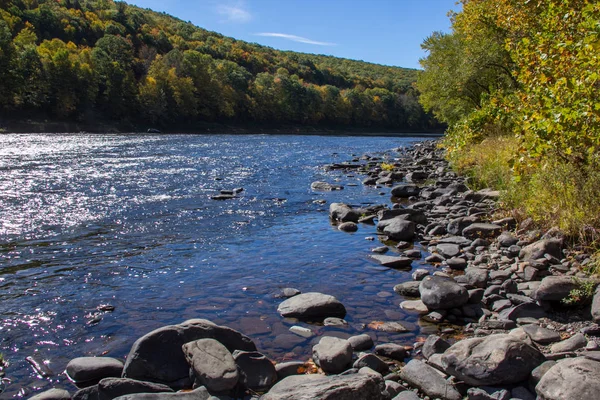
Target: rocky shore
{"points": [[517, 318]]}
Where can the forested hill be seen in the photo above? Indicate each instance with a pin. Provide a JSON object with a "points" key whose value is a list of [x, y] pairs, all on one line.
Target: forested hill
{"points": [[81, 60]]}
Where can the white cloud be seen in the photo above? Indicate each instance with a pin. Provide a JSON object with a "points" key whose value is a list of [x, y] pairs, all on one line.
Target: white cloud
{"points": [[234, 13], [295, 38]]}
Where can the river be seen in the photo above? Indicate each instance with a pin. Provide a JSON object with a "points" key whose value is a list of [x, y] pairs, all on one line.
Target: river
{"points": [[127, 221]]}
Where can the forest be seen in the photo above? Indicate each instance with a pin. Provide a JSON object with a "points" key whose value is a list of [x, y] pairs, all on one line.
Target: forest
{"points": [[82, 60], [518, 83]]}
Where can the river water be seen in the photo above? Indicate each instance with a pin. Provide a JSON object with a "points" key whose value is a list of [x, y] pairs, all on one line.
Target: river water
{"points": [[127, 221]]}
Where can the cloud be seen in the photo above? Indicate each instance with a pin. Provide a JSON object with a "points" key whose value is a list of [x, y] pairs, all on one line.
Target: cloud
{"points": [[295, 38], [234, 13]]}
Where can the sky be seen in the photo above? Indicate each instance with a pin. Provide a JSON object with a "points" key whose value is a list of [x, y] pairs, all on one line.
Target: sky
{"points": [[388, 32]]}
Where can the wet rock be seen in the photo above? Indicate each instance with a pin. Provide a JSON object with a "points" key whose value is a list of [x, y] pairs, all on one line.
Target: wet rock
{"points": [[397, 229], [442, 293], [492, 360], [361, 342], [324, 186], [392, 261], [110, 388], [541, 335], [197, 394], [428, 380], [257, 372], [409, 288], [538, 249], [388, 326], [409, 214], [312, 305], [343, 213], [481, 230], [213, 365], [223, 197], [158, 356], [310, 387], [575, 378], [575, 342], [52, 394], [348, 227], [333, 321], [380, 250], [371, 361], [405, 191], [391, 350], [414, 305], [332, 354], [287, 293], [92, 369], [289, 368]]}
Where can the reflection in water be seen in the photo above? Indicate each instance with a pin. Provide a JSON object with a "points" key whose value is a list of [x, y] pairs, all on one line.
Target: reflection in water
{"points": [[127, 221]]}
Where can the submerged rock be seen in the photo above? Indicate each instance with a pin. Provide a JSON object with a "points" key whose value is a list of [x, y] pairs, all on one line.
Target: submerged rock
{"points": [[324, 186], [312, 305]]}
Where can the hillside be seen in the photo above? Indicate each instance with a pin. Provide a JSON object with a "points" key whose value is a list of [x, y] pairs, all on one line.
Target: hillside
{"points": [[82, 60]]}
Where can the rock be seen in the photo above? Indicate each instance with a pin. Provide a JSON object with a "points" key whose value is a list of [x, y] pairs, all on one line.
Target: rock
{"points": [[290, 368], [287, 293], [397, 229], [506, 239], [405, 191], [391, 350], [492, 360], [334, 321], [407, 395], [213, 365], [428, 380], [457, 263], [488, 393], [384, 326], [392, 389], [343, 213], [434, 345], [371, 361], [577, 341], [343, 387], [92, 369], [525, 310], [158, 356], [361, 342], [476, 277], [538, 249], [481, 230], [312, 305], [458, 240], [595, 310], [521, 393], [380, 250], [457, 225], [324, 186], [392, 261], [442, 293], [348, 227], [88, 393], [555, 288], [416, 216], [408, 289], [418, 275], [301, 331], [448, 250], [223, 197], [541, 335], [332, 354], [539, 371], [414, 305], [110, 388], [52, 394], [575, 378], [197, 394], [257, 372]]}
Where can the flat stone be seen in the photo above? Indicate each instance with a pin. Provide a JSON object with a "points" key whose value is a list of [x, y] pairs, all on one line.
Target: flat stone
{"points": [[110, 388], [428, 380], [391, 350], [312, 305], [414, 305], [525, 310], [541, 335], [334, 321], [197, 394], [89, 369], [392, 261], [52, 394], [575, 342], [434, 345], [371, 361], [332, 354], [388, 326], [213, 365], [481, 230], [448, 250], [302, 331]]}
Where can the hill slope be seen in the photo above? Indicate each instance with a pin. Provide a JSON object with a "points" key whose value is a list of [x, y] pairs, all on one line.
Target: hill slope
{"points": [[80, 60]]}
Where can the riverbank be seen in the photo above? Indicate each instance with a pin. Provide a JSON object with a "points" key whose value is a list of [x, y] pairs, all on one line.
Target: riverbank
{"points": [[493, 287]]}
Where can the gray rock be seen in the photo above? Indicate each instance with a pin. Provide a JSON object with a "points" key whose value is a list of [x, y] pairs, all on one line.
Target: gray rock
{"points": [[428, 380], [109, 388], [539, 371], [213, 365], [257, 371], [491, 360], [416, 216], [348, 226], [575, 378], [392, 261], [488, 393], [481, 230], [418, 275], [448, 250], [158, 356], [476, 277], [289, 368], [408, 289], [521, 393], [342, 387], [397, 229], [405, 191], [407, 395], [392, 389], [442, 293], [288, 292], [506, 239], [577, 341], [324, 186], [525, 310], [361, 342], [332, 354], [459, 240], [312, 305], [457, 263], [371, 361], [456, 226], [391, 350], [52, 394], [88, 393], [197, 394], [434, 345], [334, 321], [92, 369], [414, 305], [538, 249], [541, 335], [595, 310], [343, 213], [555, 288]]}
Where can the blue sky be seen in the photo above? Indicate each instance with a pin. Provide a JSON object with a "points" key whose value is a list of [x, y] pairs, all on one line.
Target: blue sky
{"points": [[386, 32]]}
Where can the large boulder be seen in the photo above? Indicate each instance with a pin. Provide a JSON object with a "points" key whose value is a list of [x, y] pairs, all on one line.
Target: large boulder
{"points": [[574, 378], [438, 292], [257, 371], [312, 305], [343, 213], [200, 393], [405, 191], [500, 359], [428, 380], [556, 288], [332, 354], [397, 228], [538, 249], [109, 388], [336, 387], [158, 355], [213, 365]]}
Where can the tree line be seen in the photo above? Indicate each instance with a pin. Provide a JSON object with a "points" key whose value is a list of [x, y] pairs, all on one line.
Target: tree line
{"points": [[80, 59]]}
